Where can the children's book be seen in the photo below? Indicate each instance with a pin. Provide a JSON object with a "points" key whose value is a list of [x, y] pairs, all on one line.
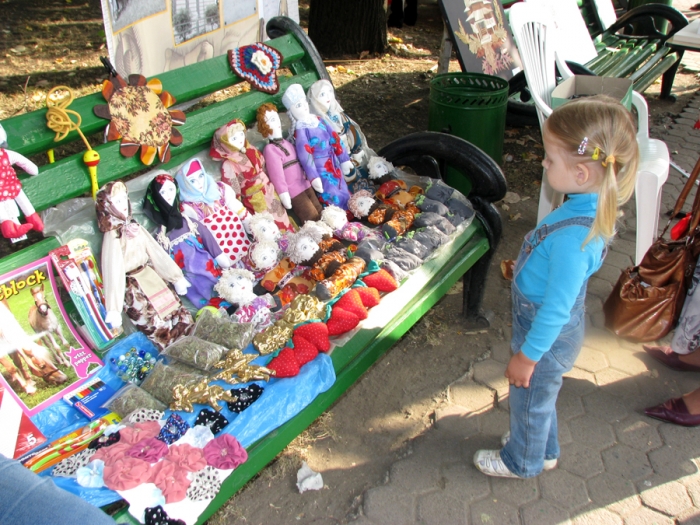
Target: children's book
{"points": [[42, 356]]}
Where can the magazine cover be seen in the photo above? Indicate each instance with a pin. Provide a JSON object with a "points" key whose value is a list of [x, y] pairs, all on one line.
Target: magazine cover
{"points": [[480, 32], [41, 354]]}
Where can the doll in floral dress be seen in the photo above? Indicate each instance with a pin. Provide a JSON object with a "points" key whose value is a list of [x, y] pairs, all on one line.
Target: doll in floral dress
{"points": [[319, 149], [243, 168], [191, 245], [214, 205]]}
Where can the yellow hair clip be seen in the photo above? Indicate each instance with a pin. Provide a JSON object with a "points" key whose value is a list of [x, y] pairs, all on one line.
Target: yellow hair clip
{"points": [[596, 154], [610, 159]]}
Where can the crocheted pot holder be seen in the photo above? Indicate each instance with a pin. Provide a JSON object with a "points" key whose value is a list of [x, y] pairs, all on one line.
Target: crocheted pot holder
{"points": [[258, 64]]}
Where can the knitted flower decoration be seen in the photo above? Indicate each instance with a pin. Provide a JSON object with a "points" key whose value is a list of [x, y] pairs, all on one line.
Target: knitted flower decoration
{"points": [[126, 473], [171, 480], [139, 431], [149, 450], [90, 476], [187, 457], [225, 452]]}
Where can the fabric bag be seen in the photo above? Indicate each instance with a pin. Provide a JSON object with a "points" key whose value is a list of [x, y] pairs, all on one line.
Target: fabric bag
{"points": [[686, 338], [647, 300]]}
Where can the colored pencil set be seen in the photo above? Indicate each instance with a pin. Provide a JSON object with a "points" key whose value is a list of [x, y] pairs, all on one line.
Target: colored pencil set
{"points": [[79, 274]]}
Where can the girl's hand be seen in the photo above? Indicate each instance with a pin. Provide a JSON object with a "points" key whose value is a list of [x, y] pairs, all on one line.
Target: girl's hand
{"points": [[519, 370]]}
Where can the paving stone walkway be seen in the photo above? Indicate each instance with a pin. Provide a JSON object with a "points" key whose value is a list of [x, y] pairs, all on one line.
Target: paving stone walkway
{"points": [[617, 466]]}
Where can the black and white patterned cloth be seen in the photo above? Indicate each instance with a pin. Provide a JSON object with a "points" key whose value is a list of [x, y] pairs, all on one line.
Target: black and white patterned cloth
{"points": [[157, 516], [69, 466], [205, 484], [246, 397], [212, 419]]}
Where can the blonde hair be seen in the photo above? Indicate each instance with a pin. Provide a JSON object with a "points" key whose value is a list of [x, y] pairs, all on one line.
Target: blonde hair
{"points": [[599, 129]]}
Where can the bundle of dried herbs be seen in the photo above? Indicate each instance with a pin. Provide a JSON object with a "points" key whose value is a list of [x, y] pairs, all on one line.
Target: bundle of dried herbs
{"points": [[130, 398], [164, 377], [196, 352], [223, 331]]}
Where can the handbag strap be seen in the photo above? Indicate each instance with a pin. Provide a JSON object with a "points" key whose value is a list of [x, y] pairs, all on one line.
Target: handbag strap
{"points": [[680, 202]]}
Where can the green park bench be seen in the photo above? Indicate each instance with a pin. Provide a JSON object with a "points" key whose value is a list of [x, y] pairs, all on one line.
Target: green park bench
{"points": [[633, 47], [430, 154]]}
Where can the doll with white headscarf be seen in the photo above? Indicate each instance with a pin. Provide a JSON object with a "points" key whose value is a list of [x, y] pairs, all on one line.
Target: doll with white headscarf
{"points": [[243, 168], [215, 205], [319, 149], [322, 102], [137, 273]]}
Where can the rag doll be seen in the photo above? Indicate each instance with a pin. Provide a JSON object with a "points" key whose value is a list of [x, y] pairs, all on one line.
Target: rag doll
{"points": [[312, 246], [392, 219], [243, 168], [236, 287], [214, 205], [322, 102], [285, 171], [380, 170], [318, 148], [267, 246], [189, 243], [12, 196], [136, 270], [337, 219]]}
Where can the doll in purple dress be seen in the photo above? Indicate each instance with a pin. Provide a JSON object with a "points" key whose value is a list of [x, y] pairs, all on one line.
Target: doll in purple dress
{"points": [[319, 149], [186, 240]]}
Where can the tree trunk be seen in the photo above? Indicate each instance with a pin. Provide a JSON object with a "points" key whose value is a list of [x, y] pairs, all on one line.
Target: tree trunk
{"points": [[347, 27]]}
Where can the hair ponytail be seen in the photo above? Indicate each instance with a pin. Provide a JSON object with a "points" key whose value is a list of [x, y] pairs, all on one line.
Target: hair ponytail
{"points": [[592, 129]]}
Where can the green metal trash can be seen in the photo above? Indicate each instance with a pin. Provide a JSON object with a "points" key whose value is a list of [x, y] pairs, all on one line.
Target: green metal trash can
{"points": [[471, 106]]}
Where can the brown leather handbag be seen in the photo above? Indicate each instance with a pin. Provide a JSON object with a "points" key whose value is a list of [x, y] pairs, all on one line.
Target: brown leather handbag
{"points": [[647, 300]]}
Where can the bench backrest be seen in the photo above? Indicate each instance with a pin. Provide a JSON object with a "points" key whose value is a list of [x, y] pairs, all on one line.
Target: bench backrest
{"points": [[68, 177]]}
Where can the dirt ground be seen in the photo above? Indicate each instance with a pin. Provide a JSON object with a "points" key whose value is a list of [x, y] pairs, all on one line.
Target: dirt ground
{"points": [[49, 42]]}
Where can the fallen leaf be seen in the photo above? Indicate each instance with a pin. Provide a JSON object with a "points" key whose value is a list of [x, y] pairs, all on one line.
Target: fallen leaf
{"points": [[511, 132], [342, 69], [507, 267], [515, 217], [364, 54], [529, 156], [394, 40], [505, 207]]}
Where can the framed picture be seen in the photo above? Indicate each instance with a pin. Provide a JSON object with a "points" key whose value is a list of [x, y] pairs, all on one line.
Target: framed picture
{"points": [[480, 33]]}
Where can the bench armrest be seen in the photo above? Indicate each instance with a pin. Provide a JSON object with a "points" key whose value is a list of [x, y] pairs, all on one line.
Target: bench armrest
{"points": [[644, 12]]}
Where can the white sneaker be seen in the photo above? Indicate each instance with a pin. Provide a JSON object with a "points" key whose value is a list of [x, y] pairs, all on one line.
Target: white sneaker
{"points": [[549, 464], [490, 463]]}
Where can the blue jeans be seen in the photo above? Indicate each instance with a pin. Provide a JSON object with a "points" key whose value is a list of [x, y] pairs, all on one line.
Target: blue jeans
{"points": [[533, 414], [29, 499]]}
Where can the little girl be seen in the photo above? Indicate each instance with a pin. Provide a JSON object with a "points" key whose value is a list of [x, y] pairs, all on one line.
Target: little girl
{"points": [[591, 155]]}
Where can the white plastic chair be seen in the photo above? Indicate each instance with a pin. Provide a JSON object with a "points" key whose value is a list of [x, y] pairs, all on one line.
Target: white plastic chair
{"points": [[537, 38]]}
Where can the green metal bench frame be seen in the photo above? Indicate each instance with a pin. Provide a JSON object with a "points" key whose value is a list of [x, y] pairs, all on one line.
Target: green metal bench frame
{"points": [[642, 58], [429, 153]]}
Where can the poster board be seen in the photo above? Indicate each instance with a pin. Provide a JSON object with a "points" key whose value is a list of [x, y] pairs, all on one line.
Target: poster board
{"points": [[481, 35], [149, 37], [42, 356]]}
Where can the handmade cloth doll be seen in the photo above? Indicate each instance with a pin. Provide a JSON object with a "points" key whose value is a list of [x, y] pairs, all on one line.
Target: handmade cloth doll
{"points": [[318, 148], [313, 246], [243, 168], [285, 171], [236, 287], [214, 205], [322, 102], [12, 196], [267, 246], [380, 170], [187, 241], [337, 219], [135, 270]]}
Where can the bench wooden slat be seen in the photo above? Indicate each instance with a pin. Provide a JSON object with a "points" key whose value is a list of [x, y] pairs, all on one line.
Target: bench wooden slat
{"points": [[68, 178], [28, 134], [646, 80]]}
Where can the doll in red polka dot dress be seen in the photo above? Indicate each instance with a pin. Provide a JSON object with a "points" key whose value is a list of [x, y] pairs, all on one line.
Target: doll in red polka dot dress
{"points": [[215, 205], [12, 197]]}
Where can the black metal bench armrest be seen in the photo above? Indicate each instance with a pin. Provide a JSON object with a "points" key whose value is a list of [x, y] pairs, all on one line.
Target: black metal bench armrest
{"points": [[645, 12]]}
